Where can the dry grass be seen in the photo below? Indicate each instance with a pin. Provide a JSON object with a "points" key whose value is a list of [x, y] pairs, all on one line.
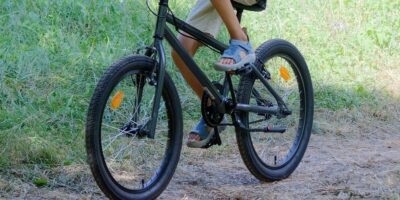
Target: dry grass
{"points": [[53, 52], [352, 154]]}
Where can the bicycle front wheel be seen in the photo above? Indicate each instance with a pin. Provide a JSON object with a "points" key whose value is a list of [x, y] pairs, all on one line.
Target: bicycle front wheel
{"points": [[274, 156], [125, 163]]}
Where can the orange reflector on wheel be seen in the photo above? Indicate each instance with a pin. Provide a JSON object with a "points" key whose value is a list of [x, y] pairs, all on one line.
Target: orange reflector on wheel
{"points": [[284, 73], [117, 100]]}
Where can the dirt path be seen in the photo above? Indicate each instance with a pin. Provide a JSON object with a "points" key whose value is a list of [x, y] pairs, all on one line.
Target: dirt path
{"points": [[352, 158]]}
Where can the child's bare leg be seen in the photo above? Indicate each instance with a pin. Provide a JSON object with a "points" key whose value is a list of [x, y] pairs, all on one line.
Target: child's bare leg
{"points": [[191, 46], [226, 12]]}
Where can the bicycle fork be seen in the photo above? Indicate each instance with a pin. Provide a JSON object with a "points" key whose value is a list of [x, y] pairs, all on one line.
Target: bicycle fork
{"points": [[159, 66]]}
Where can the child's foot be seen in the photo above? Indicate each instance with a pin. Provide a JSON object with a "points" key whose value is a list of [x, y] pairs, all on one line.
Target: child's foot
{"points": [[201, 135], [238, 54]]}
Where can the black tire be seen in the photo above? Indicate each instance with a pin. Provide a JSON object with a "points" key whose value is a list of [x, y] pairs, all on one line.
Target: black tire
{"points": [[129, 172], [263, 156]]}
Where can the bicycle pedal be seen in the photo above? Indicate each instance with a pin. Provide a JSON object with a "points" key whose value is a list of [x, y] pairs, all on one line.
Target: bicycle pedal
{"points": [[217, 139], [246, 69], [214, 140]]}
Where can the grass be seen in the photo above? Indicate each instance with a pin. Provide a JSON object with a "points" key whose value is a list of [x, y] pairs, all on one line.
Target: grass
{"points": [[52, 53]]}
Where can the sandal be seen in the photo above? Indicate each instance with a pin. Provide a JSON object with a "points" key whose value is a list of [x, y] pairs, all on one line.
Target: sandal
{"points": [[239, 51], [205, 133]]}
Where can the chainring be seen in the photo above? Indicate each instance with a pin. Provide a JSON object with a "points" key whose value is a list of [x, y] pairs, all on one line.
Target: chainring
{"points": [[209, 108]]}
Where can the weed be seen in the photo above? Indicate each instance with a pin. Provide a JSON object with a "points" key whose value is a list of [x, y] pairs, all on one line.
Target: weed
{"points": [[52, 54]]}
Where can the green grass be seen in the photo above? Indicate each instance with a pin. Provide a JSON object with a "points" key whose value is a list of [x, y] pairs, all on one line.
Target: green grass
{"points": [[52, 53]]}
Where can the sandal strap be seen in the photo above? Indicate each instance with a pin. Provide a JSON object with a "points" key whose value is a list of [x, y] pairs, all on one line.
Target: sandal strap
{"points": [[200, 129], [234, 49]]}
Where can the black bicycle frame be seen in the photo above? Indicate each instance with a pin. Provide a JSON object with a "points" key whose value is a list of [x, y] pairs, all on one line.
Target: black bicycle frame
{"points": [[162, 31]]}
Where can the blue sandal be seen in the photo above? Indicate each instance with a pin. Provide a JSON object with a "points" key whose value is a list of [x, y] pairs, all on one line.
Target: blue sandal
{"points": [[239, 51], [205, 136]]}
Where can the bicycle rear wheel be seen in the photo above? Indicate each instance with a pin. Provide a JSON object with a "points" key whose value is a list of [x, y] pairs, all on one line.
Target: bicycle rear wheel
{"points": [[125, 163], [274, 156]]}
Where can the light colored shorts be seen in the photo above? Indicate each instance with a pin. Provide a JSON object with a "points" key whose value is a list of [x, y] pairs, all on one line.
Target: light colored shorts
{"points": [[204, 17]]}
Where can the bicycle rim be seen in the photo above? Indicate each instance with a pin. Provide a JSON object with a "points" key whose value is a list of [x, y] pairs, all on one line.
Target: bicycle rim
{"points": [[276, 150], [133, 161]]}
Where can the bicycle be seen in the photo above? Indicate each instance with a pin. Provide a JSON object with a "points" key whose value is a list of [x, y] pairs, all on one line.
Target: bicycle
{"points": [[134, 122]]}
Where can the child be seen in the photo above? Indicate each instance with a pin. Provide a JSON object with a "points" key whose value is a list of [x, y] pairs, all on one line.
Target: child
{"points": [[207, 16]]}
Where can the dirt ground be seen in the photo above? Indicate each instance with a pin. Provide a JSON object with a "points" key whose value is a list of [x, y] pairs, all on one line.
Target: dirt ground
{"points": [[351, 155]]}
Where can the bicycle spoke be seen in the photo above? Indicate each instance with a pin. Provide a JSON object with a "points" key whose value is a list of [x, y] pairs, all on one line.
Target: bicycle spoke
{"points": [[276, 149], [257, 121], [132, 160], [120, 153]]}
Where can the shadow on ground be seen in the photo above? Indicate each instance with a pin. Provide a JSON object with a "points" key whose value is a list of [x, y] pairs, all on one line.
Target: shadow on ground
{"points": [[353, 153]]}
